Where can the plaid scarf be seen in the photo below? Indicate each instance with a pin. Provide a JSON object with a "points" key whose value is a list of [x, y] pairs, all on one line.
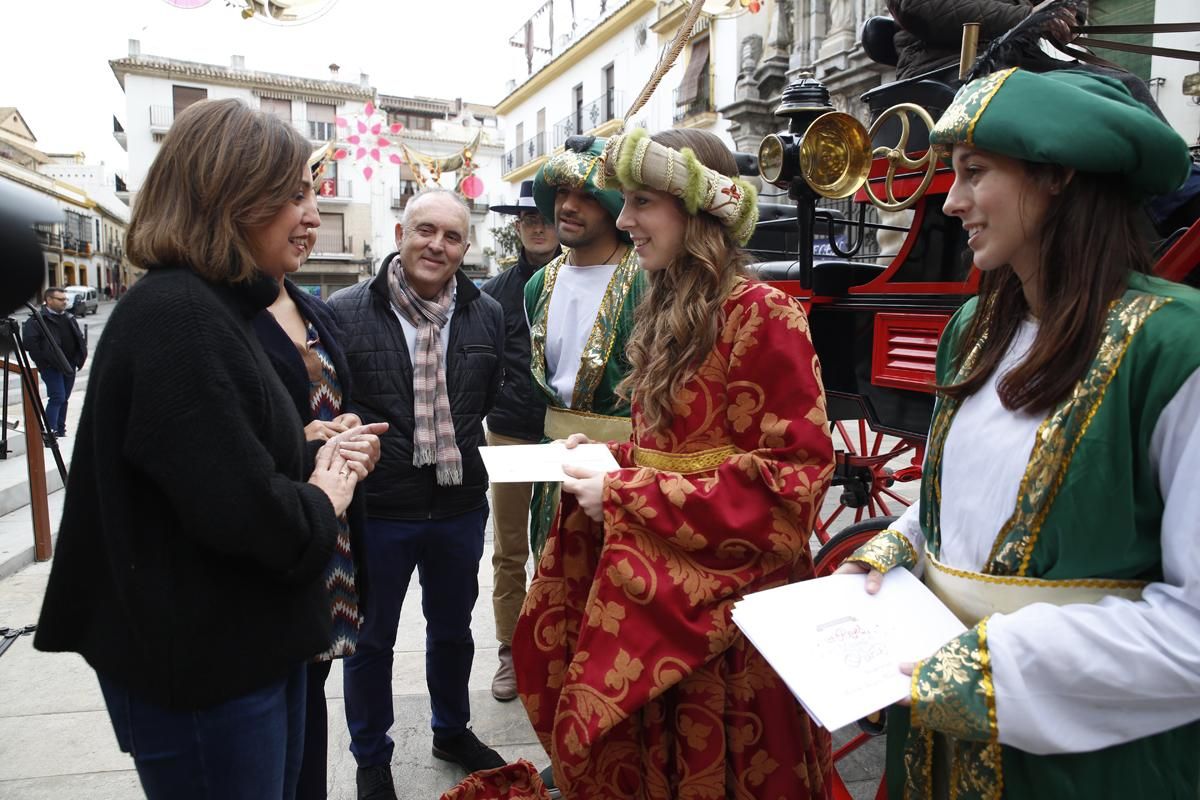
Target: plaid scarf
{"points": [[433, 434]]}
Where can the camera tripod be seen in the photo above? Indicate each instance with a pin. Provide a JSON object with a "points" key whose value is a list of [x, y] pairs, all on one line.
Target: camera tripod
{"points": [[10, 333]]}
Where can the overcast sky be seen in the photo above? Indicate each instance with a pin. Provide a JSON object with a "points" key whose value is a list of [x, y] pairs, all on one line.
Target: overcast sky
{"points": [[56, 52]]}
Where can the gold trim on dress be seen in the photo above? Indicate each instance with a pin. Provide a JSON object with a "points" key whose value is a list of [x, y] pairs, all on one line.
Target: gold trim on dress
{"points": [[1060, 434], [683, 463], [886, 550], [562, 422]]}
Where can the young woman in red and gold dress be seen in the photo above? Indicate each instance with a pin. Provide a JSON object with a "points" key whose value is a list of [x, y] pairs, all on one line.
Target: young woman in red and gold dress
{"points": [[636, 680]]}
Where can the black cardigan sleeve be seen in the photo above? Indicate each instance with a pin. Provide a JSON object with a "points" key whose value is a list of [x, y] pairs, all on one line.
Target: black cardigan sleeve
{"points": [[198, 401]]}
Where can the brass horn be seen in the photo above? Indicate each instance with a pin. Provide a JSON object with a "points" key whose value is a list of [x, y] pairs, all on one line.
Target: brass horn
{"points": [[835, 155]]}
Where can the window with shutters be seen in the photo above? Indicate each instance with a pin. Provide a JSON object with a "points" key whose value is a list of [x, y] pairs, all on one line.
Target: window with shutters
{"points": [[184, 96], [331, 235], [694, 95], [277, 108], [321, 117]]}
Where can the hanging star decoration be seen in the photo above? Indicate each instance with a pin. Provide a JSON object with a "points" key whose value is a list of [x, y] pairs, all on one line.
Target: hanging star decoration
{"points": [[365, 135]]}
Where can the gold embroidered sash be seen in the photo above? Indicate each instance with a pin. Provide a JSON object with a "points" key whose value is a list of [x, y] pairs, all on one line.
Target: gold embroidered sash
{"points": [[562, 422], [974, 595], [684, 463]]}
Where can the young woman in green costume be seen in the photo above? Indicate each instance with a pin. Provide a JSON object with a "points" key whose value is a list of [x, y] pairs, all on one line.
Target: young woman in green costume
{"points": [[1058, 513]]}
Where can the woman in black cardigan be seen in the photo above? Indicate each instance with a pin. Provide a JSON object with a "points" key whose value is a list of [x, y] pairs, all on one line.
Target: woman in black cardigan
{"points": [[299, 335], [197, 527]]}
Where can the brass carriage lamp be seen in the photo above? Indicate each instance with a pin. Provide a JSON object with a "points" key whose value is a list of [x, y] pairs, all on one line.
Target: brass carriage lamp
{"points": [[827, 148]]}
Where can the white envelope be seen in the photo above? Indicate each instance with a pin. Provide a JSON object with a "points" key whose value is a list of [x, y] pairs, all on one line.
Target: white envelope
{"points": [[838, 648], [521, 463]]}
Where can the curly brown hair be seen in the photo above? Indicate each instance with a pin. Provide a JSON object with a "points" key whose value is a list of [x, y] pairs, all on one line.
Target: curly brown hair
{"points": [[677, 322]]}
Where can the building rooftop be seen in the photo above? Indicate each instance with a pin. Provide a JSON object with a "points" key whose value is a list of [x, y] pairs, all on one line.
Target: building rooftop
{"points": [[235, 76]]}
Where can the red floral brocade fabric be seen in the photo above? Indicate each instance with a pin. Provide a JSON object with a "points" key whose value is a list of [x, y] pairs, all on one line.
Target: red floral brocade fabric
{"points": [[630, 668]]}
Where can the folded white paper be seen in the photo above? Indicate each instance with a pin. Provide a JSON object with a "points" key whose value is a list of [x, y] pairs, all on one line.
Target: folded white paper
{"points": [[520, 463], [838, 648]]}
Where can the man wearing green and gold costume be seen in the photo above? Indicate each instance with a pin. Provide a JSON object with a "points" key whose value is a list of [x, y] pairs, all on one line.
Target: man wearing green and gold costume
{"points": [[580, 309]]}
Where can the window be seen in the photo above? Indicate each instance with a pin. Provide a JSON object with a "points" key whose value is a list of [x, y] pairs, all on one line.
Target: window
{"points": [[412, 122], [320, 122], [692, 97], [609, 87], [184, 96], [277, 108], [331, 235], [577, 104], [329, 182]]}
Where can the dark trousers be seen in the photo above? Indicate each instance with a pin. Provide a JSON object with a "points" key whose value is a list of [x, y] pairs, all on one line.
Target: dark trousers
{"points": [[314, 772], [247, 748], [446, 555], [58, 391]]}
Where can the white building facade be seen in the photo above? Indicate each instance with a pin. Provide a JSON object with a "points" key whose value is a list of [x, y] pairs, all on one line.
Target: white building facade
{"points": [[584, 80], [87, 246], [357, 194]]}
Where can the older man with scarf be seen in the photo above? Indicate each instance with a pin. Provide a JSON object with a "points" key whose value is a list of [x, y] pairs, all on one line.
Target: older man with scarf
{"points": [[424, 347]]}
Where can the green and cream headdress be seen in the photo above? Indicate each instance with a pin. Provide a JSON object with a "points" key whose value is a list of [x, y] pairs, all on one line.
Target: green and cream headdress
{"points": [[633, 161]]}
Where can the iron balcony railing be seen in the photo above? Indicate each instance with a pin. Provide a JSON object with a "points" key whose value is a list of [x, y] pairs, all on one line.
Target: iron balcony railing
{"points": [[702, 103], [525, 152], [400, 198], [335, 188], [588, 116]]}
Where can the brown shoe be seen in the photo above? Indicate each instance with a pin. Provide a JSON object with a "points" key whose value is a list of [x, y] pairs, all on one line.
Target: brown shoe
{"points": [[504, 685]]}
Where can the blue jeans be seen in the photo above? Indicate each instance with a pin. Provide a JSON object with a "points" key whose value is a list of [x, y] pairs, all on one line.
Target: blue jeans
{"points": [[248, 748], [58, 391], [446, 554]]}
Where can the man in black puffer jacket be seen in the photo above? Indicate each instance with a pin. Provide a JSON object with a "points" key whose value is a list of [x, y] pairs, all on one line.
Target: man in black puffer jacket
{"points": [[424, 348]]}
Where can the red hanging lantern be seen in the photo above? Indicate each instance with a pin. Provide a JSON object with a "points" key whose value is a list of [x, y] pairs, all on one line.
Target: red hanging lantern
{"points": [[472, 187]]}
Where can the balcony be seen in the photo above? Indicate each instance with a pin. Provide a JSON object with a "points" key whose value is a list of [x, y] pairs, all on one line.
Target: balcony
{"points": [[78, 246], [161, 118], [335, 190], [331, 242], [588, 116], [702, 103], [320, 131], [400, 199], [525, 152], [49, 238]]}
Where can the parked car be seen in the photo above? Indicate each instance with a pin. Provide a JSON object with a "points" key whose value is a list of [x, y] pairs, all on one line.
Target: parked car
{"points": [[82, 300]]}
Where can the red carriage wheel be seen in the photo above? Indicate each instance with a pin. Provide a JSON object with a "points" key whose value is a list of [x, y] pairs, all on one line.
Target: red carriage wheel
{"points": [[864, 475]]}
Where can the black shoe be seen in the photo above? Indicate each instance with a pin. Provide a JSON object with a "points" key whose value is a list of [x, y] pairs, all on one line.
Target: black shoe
{"points": [[375, 783], [467, 751], [547, 776]]}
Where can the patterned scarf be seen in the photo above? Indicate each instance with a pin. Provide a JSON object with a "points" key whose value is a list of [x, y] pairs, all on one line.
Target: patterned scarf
{"points": [[433, 434]]}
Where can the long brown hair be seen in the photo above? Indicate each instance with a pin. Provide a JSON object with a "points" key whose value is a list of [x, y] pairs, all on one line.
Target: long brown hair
{"points": [[223, 169], [677, 322], [1091, 240]]}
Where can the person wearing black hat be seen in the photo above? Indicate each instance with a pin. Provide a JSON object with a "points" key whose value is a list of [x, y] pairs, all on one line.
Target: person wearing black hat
{"points": [[516, 418]]}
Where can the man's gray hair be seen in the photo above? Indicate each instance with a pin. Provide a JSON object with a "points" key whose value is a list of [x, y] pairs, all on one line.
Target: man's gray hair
{"points": [[429, 192]]}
